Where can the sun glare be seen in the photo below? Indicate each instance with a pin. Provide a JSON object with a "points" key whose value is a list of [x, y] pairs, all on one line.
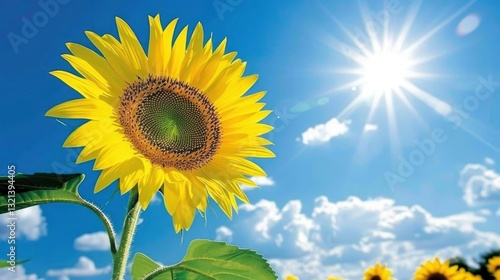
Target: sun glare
{"points": [[384, 72], [387, 67]]}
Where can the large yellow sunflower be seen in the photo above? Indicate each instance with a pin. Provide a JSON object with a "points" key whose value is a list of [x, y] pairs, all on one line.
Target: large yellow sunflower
{"points": [[435, 270], [493, 264], [176, 120], [378, 272]]}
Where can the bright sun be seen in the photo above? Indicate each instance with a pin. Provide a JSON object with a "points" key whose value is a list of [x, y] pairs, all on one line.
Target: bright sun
{"points": [[384, 72], [386, 68]]}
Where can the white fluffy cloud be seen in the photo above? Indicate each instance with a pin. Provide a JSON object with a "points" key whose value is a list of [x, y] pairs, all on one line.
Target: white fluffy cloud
{"points": [[224, 234], [370, 127], [30, 223], [260, 181], [19, 274], [489, 161], [324, 132], [342, 238], [157, 199], [97, 241], [85, 267], [480, 184]]}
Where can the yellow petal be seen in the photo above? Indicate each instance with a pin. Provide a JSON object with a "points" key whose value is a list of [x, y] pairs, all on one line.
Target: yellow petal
{"points": [[155, 51], [262, 141], [245, 167], [220, 195], [253, 130], [245, 100], [179, 205], [114, 153], [178, 54], [234, 203], [246, 151], [113, 52], [203, 205], [85, 87], [129, 181], [172, 196], [184, 215], [194, 51], [196, 190], [224, 67], [236, 119], [133, 49], [89, 152], [199, 190], [86, 133], [225, 181], [92, 149], [236, 190], [167, 38], [238, 88], [109, 175], [113, 82], [149, 186], [85, 68], [91, 109], [221, 81], [208, 72]]}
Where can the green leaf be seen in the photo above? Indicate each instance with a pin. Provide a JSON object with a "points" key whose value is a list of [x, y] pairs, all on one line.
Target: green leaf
{"points": [[207, 259], [142, 266], [6, 263], [38, 188]]}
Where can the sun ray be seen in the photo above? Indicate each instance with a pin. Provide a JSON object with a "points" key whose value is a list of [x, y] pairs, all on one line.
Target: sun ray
{"points": [[480, 139], [433, 31], [365, 14], [386, 34], [355, 40], [351, 106], [410, 107], [393, 127], [415, 7], [435, 103]]}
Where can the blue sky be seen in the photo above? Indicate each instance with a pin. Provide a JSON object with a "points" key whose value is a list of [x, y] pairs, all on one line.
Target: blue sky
{"points": [[343, 192]]}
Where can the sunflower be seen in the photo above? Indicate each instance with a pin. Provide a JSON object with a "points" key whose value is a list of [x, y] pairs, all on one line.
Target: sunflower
{"points": [[469, 276], [291, 277], [496, 274], [176, 120], [436, 270], [378, 272], [493, 264]]}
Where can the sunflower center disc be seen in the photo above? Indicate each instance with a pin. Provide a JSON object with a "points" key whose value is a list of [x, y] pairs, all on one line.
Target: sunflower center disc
{"points": [[437, 276], [170, 123], [376, 277]]}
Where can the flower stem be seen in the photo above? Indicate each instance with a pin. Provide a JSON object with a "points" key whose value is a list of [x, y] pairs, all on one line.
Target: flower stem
{"points": [[107, 224], [129, 225]]}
